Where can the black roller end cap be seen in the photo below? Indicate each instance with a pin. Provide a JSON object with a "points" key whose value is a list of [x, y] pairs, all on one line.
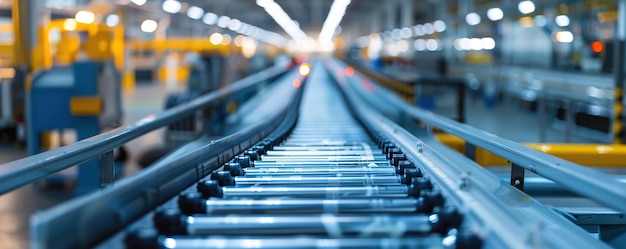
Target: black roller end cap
{"points": [[234, 169], [403, 165], [191, 203], [421, 183], [466, 240], [141, 239], [252, 154], [223, 178], [392, 152], [387, 146], [210, 188], [245, 162], [396, 158], [169, 221], [445, 219], [413, 192], [429, 200], [412, 173], [261, 149]]}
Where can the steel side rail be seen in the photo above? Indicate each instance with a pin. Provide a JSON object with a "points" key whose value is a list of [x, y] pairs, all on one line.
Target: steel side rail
{"points": [[587, 182], [503, 216], [78, 223], [38, 166]]}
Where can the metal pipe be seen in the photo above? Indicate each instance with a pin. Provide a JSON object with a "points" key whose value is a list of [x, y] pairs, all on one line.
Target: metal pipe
{"points": [[319, 192], [361, 159], [260, 164], [172, 223], [365, 205], [322, 180], [299, 242], [357, 170]]}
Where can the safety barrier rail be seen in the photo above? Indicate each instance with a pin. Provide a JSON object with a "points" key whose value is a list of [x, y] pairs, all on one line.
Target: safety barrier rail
{"points": [[33, 168]]}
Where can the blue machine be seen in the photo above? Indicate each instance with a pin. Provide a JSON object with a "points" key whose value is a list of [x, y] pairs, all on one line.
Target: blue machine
{"points": [[85, 97]]}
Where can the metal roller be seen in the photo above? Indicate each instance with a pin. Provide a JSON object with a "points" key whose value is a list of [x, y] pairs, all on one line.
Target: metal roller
{"points": [[211, 188], [321, 180], [173, 222], [357, 170], [327, 179], [300, 242], [192, 203]]}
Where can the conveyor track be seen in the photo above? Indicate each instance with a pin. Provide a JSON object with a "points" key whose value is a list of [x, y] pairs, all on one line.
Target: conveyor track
{"points": [[326, 185]]}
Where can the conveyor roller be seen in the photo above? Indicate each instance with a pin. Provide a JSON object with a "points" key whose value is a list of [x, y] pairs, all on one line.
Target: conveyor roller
{"points": [[326, 185]]}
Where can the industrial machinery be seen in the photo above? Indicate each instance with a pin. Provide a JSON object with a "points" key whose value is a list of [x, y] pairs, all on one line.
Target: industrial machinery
{"points": [[326, 160], [79, 94]]}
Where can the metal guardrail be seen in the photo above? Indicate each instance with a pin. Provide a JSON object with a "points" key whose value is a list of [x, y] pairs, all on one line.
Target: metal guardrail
{"points": [[587, 182], [504, 218], [32, 168]]}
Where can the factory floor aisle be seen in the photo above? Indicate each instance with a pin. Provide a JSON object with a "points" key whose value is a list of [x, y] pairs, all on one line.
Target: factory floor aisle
{"points": [[16, 207]]}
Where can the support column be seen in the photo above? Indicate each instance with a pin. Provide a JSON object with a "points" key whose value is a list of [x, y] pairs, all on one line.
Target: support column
{"points": [[375, 25], [406, 19], [618, 73], [26, 17], [390, 16]]}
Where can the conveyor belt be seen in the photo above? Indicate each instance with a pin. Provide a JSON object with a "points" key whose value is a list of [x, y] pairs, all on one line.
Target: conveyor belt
{"points": [[326, 185]]}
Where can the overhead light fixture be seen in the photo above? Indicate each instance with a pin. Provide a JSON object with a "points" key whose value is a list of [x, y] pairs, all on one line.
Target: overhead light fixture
{"points": [[216, 38], [439, 26], [560, 20], [223, 21], [69, 24], [336, 13], [564, 36], [429, 28], [210, 18], [419, 30], [472, 19], [488, 43], [495, 14], [234, 25], [195, 12], [282, 19], [172, 6], [406, 33], [85, 17], [139, 2], [526, 7], [112, 20], [149, 26]]}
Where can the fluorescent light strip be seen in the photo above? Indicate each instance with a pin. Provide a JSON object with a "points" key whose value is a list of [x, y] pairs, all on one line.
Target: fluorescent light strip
{"points": [[174, 6], [282, 18], [336, 13]]}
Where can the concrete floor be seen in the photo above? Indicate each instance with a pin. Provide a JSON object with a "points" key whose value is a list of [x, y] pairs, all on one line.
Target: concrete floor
{"points": [[15, 208]]}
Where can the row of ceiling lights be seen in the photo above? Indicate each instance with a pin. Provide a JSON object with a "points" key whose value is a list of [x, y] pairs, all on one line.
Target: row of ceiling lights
{"points": [[525, 7], [197, 13], [291, 27]]}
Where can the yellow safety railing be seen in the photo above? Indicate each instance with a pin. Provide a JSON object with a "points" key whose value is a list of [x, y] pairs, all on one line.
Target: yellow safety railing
{"points": [[592, 155]]}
